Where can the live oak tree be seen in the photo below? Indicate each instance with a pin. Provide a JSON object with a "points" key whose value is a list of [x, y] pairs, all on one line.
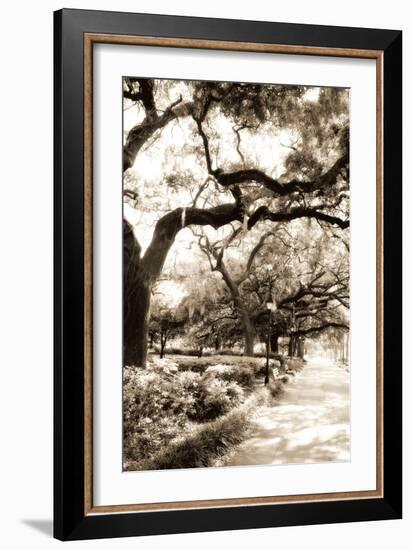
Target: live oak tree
{"points": [[307, 277], [315, 296], [234, 281], [165, 325], [218, 173]]}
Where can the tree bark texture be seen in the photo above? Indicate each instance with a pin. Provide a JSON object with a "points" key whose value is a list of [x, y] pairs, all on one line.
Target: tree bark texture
{"points": [[244, 317]]}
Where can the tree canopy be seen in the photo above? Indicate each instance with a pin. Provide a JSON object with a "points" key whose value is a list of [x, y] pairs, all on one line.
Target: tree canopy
{"points": [[235, 193]]}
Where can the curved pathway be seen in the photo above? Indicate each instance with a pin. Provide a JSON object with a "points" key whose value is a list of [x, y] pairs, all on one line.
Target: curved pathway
{"points": [[309, 424]]}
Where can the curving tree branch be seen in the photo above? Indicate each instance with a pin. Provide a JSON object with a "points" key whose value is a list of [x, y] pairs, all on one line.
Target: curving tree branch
{"points": [[321, 328], [169, 225], [152, 121], [263, 213]]}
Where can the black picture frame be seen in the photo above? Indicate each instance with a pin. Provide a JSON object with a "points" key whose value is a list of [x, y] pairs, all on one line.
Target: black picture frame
{"points": [[70, 520]]}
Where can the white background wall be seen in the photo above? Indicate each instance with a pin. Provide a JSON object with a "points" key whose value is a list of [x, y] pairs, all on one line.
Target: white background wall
{"points": [[26, 273]]}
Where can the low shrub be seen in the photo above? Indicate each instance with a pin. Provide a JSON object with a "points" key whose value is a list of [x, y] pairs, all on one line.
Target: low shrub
{"points": [[241, 374], [294, 363], [234, 352], [210, 442], [156, 406], [160, 402], [194, 365], [272, 354], [187, 352], [282, 361], [275, 389], [215, 397], [176, 401]]}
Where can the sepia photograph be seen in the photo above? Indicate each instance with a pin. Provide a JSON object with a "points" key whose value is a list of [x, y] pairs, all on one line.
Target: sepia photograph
{"points": [[227, 274], [236, 274]]}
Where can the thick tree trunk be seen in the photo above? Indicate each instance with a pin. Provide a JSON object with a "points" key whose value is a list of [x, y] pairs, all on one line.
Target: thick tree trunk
{"points": [[136, 325], [244, 317], [136, 302], [140, 273], [301, 348], [249, 336], [291, 350], [274, 342]]}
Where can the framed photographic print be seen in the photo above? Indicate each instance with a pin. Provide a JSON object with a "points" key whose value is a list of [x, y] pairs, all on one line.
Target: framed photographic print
{"points": [[227, 274]]}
